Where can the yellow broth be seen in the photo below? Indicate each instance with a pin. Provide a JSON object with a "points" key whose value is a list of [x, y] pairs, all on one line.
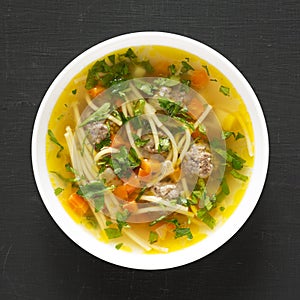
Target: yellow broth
{"points": [[230, 110]]}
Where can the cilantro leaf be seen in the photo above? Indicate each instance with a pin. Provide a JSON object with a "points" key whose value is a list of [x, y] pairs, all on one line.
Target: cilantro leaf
{"points": [[58, 190], [185, 67], [55, 141], [118, 246], [139, 142], [100, 114], [153, 237], [225, 187], [112, 233], [144, 86], [94, 192], [105, 142], [164, 144], [224, 90], [206, 218], [172, 69], [180, 232], [238, 175], [121, 219], [239, 136], [157, 220]]}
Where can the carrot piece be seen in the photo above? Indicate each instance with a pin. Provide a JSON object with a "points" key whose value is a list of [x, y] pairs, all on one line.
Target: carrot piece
{"points": [[161, 68], [199, 78], [130, 189], [142, 173], [146, 166], [78, 204], [195, 108], [96, 91], [121, 192]]}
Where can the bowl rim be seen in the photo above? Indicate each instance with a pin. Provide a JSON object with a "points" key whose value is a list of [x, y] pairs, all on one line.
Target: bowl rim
{"points": [[136, 260]]}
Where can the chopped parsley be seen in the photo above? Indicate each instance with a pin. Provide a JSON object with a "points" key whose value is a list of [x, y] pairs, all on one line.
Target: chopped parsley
{"points": [[206, 218], [172, 69], [206, 69], [94, 192], [74, 92], [224, 90], [185, 67], [153, 237], [123, 162], [112, 233], [116, 71], [118, 246], [139, 142], [105, 142], [180, 232], [121, 219], [58, 190], [164, 144], [238, 175], [100, 114], [55, 141]]}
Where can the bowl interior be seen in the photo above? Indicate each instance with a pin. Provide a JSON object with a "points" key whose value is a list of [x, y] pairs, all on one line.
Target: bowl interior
{"points": [[158, 261]]}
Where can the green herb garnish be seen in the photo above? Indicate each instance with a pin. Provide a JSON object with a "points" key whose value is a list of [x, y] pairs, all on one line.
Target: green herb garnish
{"points": [[94, 192], [224, 90], [121, 219], [206, 69], [58, 190], [55, 141], [185, 67], [104, 143], [118, 246], [112, 233], [153, 237], [124, 161], [100, 114], [206, 218], [238, 175], [157, 220], [74, 92], [164, 144], [139, 142], [180, 232]]}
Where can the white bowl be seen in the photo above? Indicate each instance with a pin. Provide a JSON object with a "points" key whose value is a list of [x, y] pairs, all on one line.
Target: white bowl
{"points": [[143, 261]]}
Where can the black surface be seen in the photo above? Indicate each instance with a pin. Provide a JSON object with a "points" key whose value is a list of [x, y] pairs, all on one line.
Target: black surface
{"points": [[38, 38]]}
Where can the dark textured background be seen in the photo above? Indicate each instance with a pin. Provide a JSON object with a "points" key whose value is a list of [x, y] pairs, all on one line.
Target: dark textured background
{"points": [[38, 38]]}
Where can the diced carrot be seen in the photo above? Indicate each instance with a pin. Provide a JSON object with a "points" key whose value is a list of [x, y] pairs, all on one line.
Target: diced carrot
{"points": [[161, 68], [131, 206], [96, 91], [171, 226], [142, 173], [199, 78], [197, 134], [195, 108], [146, 166], [78, 204], [121, 192], [129, 188]]}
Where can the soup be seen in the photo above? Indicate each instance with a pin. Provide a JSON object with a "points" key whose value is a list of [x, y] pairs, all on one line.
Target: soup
{"points": [[150, 149]]}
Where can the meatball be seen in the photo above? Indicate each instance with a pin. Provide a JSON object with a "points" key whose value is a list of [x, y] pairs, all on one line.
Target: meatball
{"points": [[97, 132], [166, 190], [197, 161]]}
